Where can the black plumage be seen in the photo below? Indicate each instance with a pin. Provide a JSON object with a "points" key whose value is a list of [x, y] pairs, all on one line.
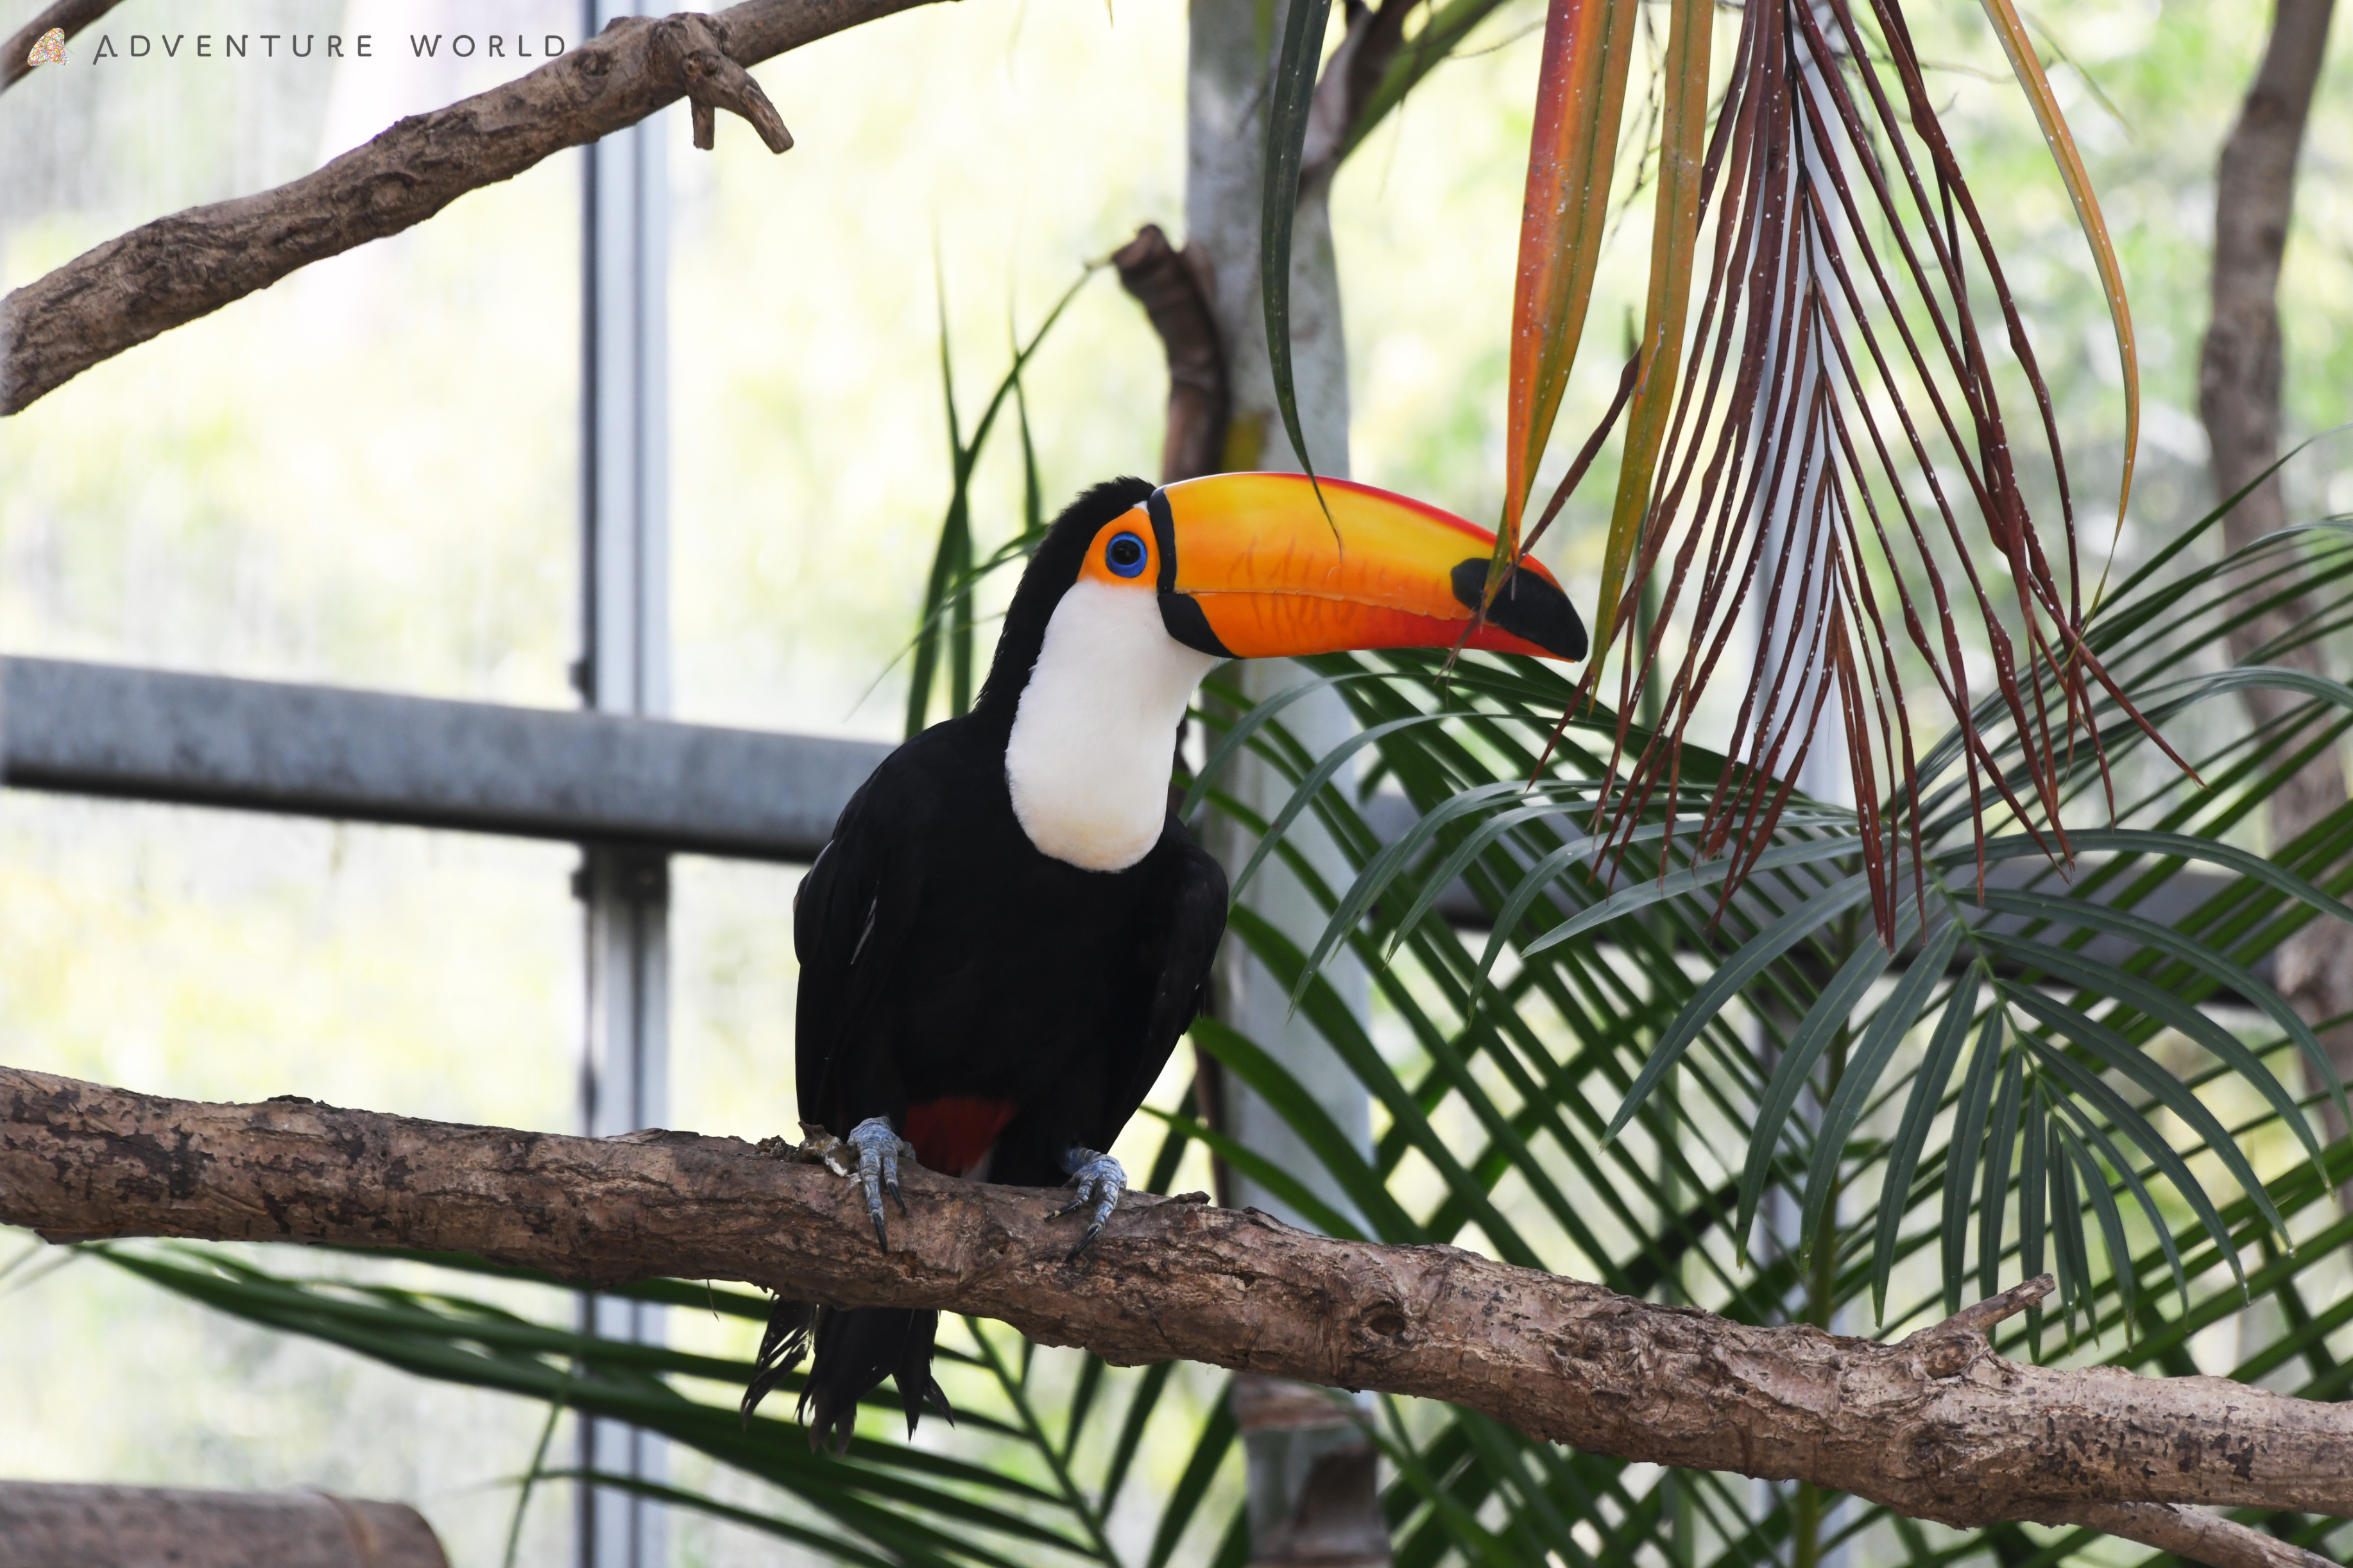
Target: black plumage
{"points": [[1000, 1006]]}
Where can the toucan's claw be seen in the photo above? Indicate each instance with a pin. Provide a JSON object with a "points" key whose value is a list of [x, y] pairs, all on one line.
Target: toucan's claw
{"points": [[879, 1147], [1100, 1179]]}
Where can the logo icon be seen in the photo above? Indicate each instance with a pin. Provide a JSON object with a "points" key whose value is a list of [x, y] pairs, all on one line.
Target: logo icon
{"points": [[49, 49]]}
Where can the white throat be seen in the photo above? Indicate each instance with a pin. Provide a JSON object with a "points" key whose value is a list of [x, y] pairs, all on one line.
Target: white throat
{"points": [[1094, 737]]}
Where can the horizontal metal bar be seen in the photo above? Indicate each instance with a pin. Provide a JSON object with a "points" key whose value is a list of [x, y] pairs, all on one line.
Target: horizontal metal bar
{"points": [[371, 756]]}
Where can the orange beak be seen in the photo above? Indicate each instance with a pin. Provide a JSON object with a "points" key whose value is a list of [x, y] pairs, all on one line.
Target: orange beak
{"points": [[1251, 566]]}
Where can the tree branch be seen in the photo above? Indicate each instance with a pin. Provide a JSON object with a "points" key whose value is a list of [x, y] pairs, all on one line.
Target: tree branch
{"points": [[72, 15], [1937, 1426], [1367, 44], [692, 48], [1174, 288], [2187, 1534], [169, 272]]}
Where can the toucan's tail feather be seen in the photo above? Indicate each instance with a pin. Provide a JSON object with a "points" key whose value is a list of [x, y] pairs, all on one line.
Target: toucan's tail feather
{"points": [[854, 1352], [781, 1349], [917, 1387]]}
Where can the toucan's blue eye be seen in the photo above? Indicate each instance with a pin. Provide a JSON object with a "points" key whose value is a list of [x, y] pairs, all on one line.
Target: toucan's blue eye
{"points": [[1125, 554]]}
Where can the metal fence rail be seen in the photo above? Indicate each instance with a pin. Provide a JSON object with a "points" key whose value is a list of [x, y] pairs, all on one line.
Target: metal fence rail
{"points": [[368, 756]]}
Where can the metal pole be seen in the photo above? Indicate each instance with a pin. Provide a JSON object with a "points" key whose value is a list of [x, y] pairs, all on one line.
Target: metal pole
{"points": [[624, 668]]}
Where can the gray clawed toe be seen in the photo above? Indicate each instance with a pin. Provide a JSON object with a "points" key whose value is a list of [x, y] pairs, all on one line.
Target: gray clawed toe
{"points": [[1100, 1179], [879, 1147]]}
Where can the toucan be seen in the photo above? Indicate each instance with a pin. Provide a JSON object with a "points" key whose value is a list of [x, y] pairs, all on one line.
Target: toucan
{"points": [[1009, 928]]}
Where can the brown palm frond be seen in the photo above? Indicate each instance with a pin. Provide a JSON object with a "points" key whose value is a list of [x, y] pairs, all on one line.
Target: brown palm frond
{"points": [[1839, 425]]}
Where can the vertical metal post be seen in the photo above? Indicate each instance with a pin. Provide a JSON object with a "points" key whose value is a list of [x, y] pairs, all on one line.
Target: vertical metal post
{"points": [[624, 668]]}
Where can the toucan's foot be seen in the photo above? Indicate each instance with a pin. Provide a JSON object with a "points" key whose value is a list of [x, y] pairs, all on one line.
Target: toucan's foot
{"points": [[1099, 1180], [879, 1147]]}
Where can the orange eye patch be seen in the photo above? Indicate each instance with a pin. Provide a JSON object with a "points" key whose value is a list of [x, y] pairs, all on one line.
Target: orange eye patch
{"points": [[1123, 553]]}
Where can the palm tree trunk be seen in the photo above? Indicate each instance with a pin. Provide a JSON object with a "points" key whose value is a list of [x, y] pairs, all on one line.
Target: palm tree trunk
{"points": [[2239, 399]]}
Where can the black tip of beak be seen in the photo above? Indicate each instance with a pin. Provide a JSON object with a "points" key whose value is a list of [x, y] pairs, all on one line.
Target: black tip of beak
{"points": [[1529, 608]]}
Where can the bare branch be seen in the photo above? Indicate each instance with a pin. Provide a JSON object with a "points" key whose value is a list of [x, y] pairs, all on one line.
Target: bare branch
{"points": [[2200, 1537], [1938, 1428], [2187, 1533], [169, 272], [1366, 46], [688, 45], [71, 15], [1174, 288], [1981, 1319]]}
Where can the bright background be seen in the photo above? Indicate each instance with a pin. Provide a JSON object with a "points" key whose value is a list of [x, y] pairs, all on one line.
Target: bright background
{"points": [[366, 475]]}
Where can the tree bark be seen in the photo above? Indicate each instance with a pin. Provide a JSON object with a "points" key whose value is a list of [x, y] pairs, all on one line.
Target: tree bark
{"points": [[1173, 287], [44, 1526], [1937, 1426], [69, 16], [168, 273], [2239, 382]]}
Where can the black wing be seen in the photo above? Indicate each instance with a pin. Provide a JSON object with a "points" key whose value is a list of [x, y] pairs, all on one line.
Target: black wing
{"points": [[1182, 950], [851, 916]]}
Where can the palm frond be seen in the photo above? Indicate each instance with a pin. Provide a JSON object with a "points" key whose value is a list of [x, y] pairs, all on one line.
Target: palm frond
{"points": [[944, 627], [2041, 1075], [1290, 97], [1776, 473]]}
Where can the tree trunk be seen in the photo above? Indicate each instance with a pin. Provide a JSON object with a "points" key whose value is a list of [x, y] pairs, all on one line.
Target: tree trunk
{"points": [[1313, 1492], [2239, 399]]}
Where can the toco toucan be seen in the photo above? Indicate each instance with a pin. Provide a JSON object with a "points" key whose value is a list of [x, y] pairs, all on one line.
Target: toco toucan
{"points": [[1009, 928]]}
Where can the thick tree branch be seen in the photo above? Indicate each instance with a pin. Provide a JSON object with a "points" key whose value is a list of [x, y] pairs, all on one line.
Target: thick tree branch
{"points": [[71, 16], [1937, 1426], [2238, 381], [169, 272]]}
